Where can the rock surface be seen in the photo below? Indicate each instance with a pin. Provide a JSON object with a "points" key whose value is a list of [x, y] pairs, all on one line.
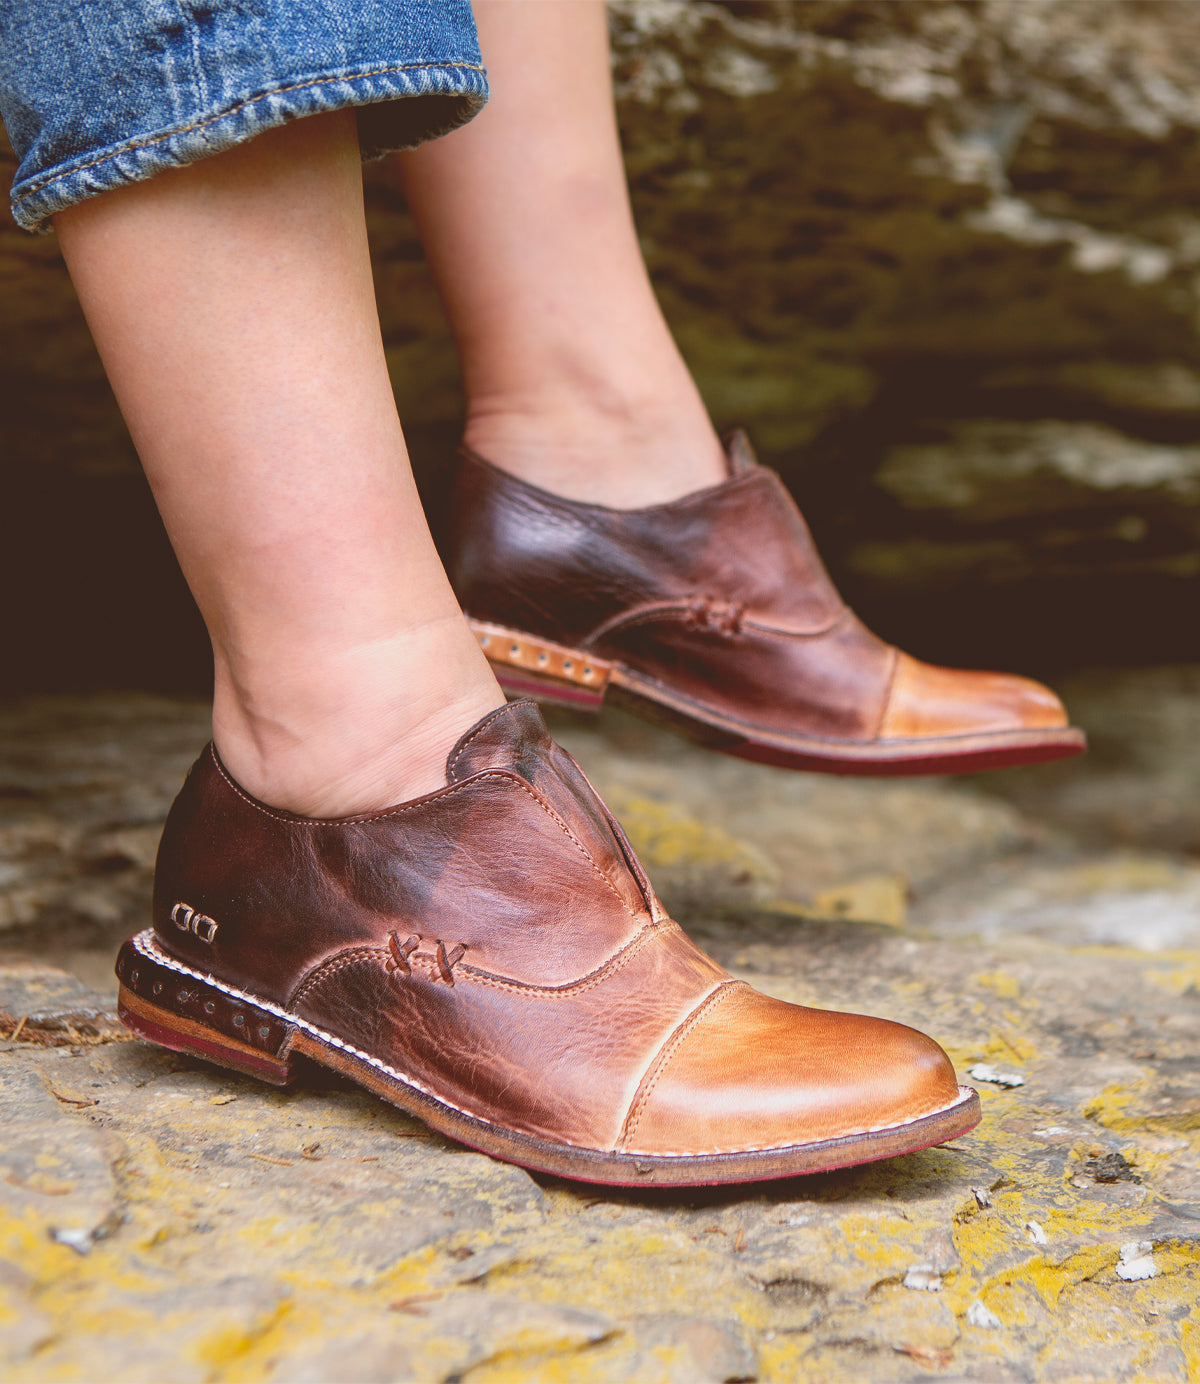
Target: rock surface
{"points": [[160, 1218], [942, 257]]}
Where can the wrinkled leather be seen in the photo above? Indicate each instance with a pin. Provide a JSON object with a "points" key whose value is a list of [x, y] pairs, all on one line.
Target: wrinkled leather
{"points": [[719, 598], [289, 893], [576, 1010]]}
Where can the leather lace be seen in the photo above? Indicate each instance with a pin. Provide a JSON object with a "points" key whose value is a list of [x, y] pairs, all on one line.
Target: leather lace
{"points": [[445, 959], [705, 612]]}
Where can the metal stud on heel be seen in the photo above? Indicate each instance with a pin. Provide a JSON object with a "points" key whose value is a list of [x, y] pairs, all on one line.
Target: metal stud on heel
{"points": [[188, 1015], [552, 673]]}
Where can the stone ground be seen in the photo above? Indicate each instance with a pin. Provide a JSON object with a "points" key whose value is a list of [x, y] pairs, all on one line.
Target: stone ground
{"points": [[162, 1219]]}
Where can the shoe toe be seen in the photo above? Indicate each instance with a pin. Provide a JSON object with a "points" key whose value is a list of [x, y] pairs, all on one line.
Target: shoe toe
{"points": [[758, 1073], [926, 701]]}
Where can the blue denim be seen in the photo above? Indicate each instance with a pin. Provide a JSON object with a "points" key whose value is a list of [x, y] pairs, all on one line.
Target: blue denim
{"points": [[99, 93]]}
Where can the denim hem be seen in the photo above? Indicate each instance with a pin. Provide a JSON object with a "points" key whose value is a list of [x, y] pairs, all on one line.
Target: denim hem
{"points": [[460, 89]]}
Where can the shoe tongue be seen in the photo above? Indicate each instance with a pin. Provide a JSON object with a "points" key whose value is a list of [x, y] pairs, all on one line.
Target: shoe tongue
{"points": [[739, 451], [515, 737]]}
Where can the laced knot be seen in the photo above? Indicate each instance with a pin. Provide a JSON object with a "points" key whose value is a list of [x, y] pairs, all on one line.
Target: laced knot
{"points": [[400, 952], [723, 617], [445, 959]]}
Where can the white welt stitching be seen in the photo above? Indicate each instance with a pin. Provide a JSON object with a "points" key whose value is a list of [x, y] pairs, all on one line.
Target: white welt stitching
{"points": [[144, 943]]}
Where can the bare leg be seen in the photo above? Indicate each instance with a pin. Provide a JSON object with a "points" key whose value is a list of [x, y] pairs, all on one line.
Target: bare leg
{"points": [[232, 304], [573, 380]]}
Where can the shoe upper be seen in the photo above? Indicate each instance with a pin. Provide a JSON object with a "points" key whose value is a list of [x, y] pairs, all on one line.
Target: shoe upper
{"points": [[497, 945], [583, 571], [517, 856], [720, 597]]}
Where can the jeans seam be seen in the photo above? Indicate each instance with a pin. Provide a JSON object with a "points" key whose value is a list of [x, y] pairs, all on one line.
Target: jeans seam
{"points": [[234, 110]]}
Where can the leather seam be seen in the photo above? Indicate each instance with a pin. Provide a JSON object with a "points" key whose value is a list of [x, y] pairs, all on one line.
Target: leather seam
{"points": [[313, 979], [885, 708], [665, 1054], [570, 835], [605, 971], [293, 820], [471, 734], [613, 966], [625, 618], [328, 969], [664, 612], [625, 848], [748, 622], [505, 774]]}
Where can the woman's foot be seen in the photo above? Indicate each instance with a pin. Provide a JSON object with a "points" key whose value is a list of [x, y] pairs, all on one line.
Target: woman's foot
{"points": [[337, 730], [580, 439]]}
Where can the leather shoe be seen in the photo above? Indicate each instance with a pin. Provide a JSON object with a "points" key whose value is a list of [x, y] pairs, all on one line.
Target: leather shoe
{"points": [[492, 958], [715, 615]]}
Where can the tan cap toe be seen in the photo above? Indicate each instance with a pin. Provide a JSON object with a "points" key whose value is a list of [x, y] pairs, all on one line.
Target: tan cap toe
{"points": [[926, 701], [757, 1073]]}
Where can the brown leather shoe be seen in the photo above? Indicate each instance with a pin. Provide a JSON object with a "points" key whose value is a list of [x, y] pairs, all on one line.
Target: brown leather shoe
{"points": [[715, 614], [492, 958]]}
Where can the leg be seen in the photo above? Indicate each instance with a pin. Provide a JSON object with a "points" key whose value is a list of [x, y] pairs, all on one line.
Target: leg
{"points": [[573, 379], [233, 307], [454, 955], [715, 611]]}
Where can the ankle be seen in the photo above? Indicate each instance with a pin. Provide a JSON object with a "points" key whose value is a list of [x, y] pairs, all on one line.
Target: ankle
{"points": [[618, 452], [364, 732]]}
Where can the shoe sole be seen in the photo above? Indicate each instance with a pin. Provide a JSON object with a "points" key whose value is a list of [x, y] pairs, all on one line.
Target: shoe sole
{"points": [[178, 1008], [559, 676]]}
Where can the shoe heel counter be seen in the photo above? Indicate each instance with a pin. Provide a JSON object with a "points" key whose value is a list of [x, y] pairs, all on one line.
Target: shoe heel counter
{"points": [[184, 912], [474, 547], [511, 552]]}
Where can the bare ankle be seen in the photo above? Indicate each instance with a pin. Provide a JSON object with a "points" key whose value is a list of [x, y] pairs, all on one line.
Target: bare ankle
{"points": [[604, 452], [355, 737]]}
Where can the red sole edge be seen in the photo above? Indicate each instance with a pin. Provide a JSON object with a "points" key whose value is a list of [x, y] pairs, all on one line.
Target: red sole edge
{"points": [[953, 755]]}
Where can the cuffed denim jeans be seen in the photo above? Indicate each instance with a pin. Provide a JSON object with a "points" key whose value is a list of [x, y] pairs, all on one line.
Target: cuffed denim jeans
{"points": [[99, 93]]}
